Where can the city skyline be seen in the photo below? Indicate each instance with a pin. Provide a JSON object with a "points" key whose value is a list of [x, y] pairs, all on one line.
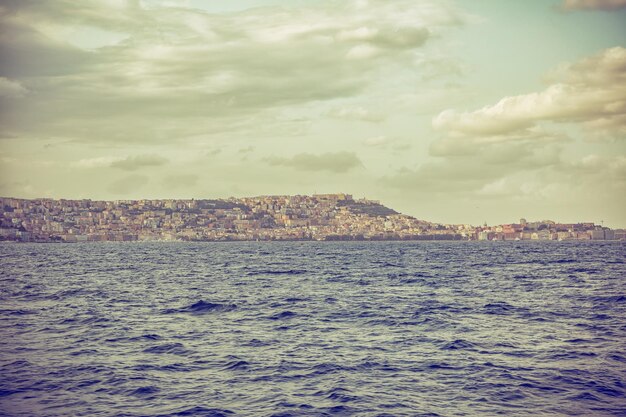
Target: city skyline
{"points": [[449, 111], [320, 217]]}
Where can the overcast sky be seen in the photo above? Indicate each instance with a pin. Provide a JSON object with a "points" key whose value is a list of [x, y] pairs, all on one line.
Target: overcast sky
{"points": [[457, 111]]}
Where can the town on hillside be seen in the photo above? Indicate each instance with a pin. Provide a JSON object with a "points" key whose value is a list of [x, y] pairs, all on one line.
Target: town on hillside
{"points": [[322, 217]]}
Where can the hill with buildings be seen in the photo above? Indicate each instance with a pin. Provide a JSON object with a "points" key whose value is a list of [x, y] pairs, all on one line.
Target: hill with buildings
{"points": [[299, 217]]}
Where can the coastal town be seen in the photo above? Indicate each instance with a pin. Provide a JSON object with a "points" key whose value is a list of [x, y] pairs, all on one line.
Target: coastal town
{"points": [[320, 217]]}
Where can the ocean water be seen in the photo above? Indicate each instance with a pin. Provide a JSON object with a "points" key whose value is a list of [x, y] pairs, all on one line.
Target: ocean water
{"points": [[313, 329]]}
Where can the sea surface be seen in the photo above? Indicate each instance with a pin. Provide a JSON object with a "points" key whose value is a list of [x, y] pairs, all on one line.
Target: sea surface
{"points": [[313, 329]]}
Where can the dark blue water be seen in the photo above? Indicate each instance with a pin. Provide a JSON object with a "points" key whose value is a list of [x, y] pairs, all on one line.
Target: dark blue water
{"points": [[313, 329]]}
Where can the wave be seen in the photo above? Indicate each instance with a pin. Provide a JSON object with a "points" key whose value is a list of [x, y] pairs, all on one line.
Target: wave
{"points": [[296, 299], [283, 315], [237, 365], [341, 395], [18, 312], [610, 299], [277, 272], [458, 344], [147, 391], [202, 307], [172, 348], [200, 411], [501, 308], [484, 328]]}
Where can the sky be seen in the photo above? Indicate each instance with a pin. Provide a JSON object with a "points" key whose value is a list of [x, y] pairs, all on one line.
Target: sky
{"points": [[452, 111]]}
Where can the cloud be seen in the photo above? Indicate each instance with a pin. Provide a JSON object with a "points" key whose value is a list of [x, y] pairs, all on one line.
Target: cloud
{"points": [[592, 90], [180, 72], [378, 141], [26, 52], [11, 89], [386, 37], [499, 188], [468, 170], [100, 162], [606, 5], [517, 139], [246, 150], [338, 162], [133, 163], [435, 67], [593, 165], [523, 151], [514, 143], [129, 163], [356, 113], [563, 184], [213, 152]]}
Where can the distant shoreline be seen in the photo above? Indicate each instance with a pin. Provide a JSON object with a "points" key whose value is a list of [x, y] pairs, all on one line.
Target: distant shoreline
{"points": [[469, 241], [320, 217]]}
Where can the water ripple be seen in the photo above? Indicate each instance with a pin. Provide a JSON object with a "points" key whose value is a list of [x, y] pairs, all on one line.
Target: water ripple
{"points": [[313, 329]]}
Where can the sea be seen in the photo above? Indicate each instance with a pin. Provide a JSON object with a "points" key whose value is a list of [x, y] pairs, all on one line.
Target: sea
{"points": [[313, 329]]}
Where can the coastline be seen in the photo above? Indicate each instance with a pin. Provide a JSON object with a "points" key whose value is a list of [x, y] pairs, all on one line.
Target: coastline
{"points": [[286, 241], [323, 217]]}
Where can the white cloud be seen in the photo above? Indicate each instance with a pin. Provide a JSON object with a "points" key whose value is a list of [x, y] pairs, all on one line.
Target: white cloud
{"points": [[129, 163], [524, 151], [393, 37], [11, 89], [190, 72], [365, 51], [591, 90], [511, 143], [498, 187], [356, 113], [100, 162], [593, 164], [378, 141]]}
